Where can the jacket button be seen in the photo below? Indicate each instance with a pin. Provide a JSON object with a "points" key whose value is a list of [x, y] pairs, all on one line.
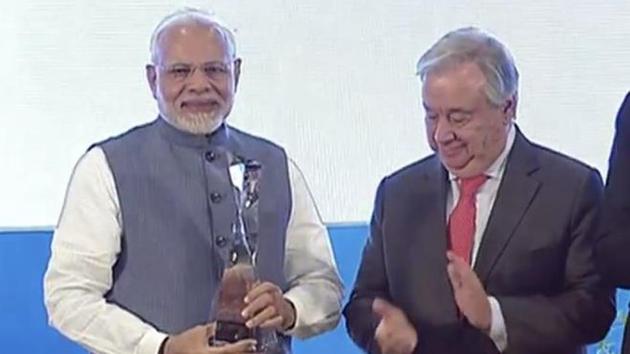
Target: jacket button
{"points": [[210, 156], [220, 241], [216, 197]]}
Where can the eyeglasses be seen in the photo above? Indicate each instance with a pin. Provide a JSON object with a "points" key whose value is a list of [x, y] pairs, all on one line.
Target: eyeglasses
{"points": [[181, 72]]}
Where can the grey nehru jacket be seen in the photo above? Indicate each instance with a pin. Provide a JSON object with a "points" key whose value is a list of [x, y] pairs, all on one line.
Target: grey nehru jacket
{"points": [[177, 210]]}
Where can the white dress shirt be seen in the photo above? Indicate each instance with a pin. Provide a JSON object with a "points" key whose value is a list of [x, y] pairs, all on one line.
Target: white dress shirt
{"points": [[87, 242], [485, 197]]}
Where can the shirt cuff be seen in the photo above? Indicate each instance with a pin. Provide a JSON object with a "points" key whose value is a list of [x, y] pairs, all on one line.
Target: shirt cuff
{"points": [[498, 332], [299, 307], [150, 342]]}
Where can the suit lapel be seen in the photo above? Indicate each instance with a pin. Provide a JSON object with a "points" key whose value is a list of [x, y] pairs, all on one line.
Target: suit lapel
{"points": [[425, 221], [431, 201], [516, 191]]}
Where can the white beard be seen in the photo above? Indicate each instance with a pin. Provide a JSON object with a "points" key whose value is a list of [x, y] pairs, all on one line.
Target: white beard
{"points": [[195, 123]]}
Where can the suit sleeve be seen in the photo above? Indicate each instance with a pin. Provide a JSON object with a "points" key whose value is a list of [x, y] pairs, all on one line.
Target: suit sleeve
{"points": [[613, 247], [583, 311], [371, 282]]}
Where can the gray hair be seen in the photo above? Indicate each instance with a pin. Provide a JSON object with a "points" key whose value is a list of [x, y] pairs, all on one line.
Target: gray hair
{"points": [[196, 16], [472, 45]]}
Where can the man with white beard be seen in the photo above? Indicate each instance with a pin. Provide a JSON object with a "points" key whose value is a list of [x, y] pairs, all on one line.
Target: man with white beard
{"points": [[138, 252]]}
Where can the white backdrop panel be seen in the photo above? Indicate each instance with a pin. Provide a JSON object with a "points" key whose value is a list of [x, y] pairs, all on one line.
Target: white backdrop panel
{"points": [[332, 81]]}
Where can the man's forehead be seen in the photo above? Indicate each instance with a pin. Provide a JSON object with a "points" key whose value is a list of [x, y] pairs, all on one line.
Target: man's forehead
{"points": [[191, 31], [192, 41], [468, 72]]}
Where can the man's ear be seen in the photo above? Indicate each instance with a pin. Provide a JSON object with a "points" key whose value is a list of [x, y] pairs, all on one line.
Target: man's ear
{"points": [[509, 108], [237, 72], [151, 78]]}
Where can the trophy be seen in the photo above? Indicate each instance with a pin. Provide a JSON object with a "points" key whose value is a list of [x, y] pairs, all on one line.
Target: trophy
{"points": [[239, 275]]}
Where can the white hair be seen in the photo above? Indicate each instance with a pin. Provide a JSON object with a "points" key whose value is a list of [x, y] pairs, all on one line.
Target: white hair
{"points": [[191, 15], [472, 45]]}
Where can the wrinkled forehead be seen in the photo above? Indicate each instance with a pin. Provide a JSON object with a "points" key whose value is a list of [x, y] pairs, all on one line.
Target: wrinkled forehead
{"points": [[465, 76]]}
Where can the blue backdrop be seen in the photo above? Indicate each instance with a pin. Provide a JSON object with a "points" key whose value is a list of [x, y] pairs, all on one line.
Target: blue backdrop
{"points": [[23, 322]]}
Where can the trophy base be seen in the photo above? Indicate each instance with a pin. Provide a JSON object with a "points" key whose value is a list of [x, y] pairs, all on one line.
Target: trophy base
{"points": [[229, 331]]}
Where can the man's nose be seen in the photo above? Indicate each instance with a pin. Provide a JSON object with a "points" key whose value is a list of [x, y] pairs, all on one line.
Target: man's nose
{"points": [[443, 131], [198, 81]]}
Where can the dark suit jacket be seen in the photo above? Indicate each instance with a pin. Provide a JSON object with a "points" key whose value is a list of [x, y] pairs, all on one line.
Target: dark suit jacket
{"points": [[614, 247], [536, 258]]}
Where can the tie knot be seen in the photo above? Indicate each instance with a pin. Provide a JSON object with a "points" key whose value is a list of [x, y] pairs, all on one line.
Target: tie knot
{"points": [[470, 186]]}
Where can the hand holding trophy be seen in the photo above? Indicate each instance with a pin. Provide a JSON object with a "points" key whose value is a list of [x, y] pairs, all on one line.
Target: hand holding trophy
{"points": [[239, 275]]}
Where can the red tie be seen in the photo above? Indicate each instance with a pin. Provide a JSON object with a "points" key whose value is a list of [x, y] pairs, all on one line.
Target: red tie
{"points": [[461, 224]]}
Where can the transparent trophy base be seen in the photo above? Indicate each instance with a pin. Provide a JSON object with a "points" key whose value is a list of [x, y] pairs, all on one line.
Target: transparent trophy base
{"points": [[230, 325]]}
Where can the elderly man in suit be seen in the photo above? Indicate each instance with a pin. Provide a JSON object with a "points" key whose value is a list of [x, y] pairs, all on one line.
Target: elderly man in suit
{"points": [[487, 245], [614, 246]]}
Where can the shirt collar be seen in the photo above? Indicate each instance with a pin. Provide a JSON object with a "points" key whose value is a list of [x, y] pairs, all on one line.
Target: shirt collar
{"points": [[220, 136]]}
